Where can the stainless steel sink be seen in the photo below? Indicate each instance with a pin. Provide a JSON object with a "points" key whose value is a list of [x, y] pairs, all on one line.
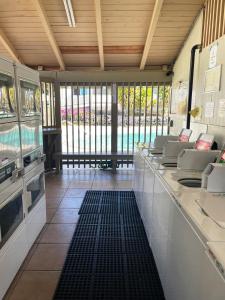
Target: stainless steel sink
{"points": [[191, 182]]}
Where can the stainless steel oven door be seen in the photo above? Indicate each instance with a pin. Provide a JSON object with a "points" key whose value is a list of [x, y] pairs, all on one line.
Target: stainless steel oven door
{"points": [[31, 136], [8, 105], [30, 97], [11, 215], [9, 141], [35, 189]]}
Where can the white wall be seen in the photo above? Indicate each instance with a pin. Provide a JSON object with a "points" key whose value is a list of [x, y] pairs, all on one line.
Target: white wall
{"points": [[181, 70], [216, 123]]}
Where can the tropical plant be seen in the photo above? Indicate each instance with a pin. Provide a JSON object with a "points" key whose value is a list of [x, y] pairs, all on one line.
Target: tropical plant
{"points": [[141, 97]]}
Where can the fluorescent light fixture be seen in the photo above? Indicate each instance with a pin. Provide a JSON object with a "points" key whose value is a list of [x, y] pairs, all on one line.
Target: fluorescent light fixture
{"points": [[69, 12]]}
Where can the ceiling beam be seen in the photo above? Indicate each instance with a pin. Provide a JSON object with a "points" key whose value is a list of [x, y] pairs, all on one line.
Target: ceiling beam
{"points": [[98, 17], [151, 32], [45, 22], [137, 49], [9, 46]]}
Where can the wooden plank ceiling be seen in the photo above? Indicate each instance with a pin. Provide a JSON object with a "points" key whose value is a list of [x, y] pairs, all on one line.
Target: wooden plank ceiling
{"points": [[37, 33]]}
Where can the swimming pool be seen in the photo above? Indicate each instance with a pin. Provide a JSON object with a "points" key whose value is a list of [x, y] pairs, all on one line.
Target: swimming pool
{"points": [[88, 139]]}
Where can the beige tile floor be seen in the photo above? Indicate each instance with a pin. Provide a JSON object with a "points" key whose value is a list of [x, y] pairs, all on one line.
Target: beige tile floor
{"points": [[39, 274]]}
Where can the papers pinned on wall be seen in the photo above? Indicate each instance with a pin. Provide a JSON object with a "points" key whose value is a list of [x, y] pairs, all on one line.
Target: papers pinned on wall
{"points": [[179, 98], [212, 79], [213, 56], [209, 110], [221, 109]]}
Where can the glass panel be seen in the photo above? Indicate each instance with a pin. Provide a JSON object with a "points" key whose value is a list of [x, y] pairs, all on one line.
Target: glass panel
{"points": [[7, 97], [31, 135], [30, 99], [9, 140], [36, 190], [11, 215]]}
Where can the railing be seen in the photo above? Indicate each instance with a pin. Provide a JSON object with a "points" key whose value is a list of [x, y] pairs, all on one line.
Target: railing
{"points": [[48, 104], [213, 21], [143, 110], [106, 118]]}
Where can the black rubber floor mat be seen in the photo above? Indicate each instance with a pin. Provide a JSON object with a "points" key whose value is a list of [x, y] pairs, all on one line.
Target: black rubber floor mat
{"points": [[109, 194], [89, 219], [110, 245], [110, 201], [73, 286], [93, 194], [109, 287], [109, 209], [134, 231], [140, 246], [110, 219], [140, 264], [86, 231], [127, 194], [128, 209], [109, 257], [89, 200], [144, 287], [89, 209], [109, 263], [82, 245], [110, 231], [92, 197], [124, 201], [79, 263], [132, 219]]}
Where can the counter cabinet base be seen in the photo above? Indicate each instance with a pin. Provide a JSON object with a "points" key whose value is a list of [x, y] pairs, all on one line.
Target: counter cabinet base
{"points": [[185, 267]]}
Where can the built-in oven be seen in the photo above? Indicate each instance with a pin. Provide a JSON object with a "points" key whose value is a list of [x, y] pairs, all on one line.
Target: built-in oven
{"points": [[8, 103], [34, 187], [8, 108], [10, 155], [11, 215], [29, 93], [31, 136], [30, 99], [9, 140], [31, 143]]}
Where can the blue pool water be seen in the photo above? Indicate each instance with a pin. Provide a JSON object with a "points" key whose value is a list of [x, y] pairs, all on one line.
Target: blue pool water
{"points": [[91, 138]]}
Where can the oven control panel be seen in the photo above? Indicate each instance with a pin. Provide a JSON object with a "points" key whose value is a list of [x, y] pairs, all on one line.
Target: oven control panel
{"points": [[7, 171]]}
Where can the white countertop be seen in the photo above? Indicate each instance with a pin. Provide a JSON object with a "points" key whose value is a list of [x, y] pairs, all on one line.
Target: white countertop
{"points": [[190, 199], [214, 206]]}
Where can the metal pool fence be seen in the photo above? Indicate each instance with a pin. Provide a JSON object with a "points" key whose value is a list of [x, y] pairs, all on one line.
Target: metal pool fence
{"points": [[105, 119], [110, 118]]}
